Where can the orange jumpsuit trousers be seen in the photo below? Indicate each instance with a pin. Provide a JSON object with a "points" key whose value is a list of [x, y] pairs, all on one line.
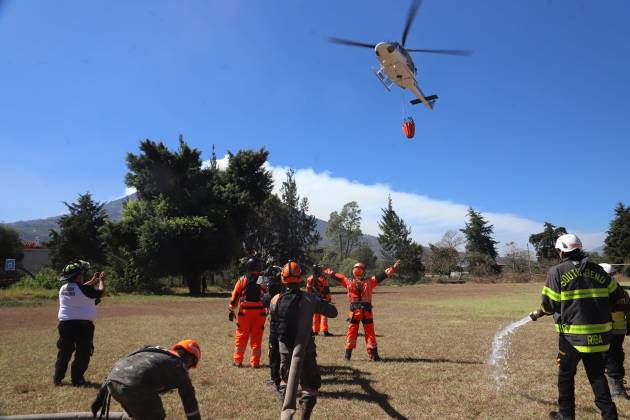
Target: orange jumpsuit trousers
{"points": [[249, 326], [364, 316]]}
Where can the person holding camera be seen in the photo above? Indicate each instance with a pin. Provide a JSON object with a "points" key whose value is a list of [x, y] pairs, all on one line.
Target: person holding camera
{"points": [[77, 311]]}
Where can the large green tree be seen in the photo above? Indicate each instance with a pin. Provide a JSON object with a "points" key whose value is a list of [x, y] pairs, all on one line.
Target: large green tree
{"points": [[617, 242], [189, 217], [481, 252], [344, 229], [79, 234], [396, 243], [281, 228], [545, 242], [297, 231], [444, 257], [10, 245]]}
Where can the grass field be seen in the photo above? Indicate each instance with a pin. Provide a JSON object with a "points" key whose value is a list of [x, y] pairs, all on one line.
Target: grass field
{"points": [[435, 339]]}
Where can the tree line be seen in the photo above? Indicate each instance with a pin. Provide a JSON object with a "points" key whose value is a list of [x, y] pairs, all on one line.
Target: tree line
{"points": [[196, 220]]}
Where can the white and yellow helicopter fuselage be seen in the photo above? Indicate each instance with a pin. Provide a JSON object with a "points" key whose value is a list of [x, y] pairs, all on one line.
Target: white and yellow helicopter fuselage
{"points": [[397, 67]]}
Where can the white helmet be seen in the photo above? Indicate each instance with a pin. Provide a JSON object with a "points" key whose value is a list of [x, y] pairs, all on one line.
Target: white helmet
{"points": [[608, 268], [568, 242]]}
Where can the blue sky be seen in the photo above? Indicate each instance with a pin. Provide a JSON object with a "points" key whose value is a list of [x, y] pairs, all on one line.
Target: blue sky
{"points": [[535, 125]]}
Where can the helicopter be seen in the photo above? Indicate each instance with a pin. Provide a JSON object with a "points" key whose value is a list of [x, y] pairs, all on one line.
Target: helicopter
{"points": [[396, 65]]}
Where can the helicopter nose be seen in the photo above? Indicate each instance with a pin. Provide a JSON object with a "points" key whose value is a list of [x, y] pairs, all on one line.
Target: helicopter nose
{"points": [[380, 49]]}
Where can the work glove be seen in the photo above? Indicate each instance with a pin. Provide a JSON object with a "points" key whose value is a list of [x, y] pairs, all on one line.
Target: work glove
{"points": [[231, 316]]}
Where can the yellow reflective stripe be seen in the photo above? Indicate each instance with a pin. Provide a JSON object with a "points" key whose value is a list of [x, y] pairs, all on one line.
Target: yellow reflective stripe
{"points": [[584, 329], [551, 294], [612, 286], [593, 349], [583, 293]]}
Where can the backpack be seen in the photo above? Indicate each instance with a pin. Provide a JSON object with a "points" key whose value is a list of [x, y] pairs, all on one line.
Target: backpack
{"points": [[287, 317], [252, 289]]}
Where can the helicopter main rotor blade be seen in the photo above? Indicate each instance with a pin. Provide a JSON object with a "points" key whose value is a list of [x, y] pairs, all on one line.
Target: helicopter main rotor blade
{"points": [[445, 52], [352, 43], [413, 9]]}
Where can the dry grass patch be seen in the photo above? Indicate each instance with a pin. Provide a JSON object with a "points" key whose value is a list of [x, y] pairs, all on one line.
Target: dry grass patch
{"points": [[435, 340]]}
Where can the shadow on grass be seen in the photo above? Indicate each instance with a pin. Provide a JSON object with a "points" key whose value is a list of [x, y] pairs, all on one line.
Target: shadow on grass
{"points": [[351, 376], [427, 360], [554, 404]]}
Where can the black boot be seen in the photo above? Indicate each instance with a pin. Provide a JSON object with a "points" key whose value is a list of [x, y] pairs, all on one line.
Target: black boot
{"points": [[373, 353], [327, 334], [348, 355], [617, 388]]}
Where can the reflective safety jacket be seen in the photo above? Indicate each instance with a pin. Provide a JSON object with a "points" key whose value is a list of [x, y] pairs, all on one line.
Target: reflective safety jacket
{"points": [[319, 286], [247, 293], [619, 319], [580, 295], [360, 289]]}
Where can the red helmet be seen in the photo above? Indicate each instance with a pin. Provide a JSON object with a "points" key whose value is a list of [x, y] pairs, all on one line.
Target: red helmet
{"points": [[191, 346], [291, 273], [358, 270]]}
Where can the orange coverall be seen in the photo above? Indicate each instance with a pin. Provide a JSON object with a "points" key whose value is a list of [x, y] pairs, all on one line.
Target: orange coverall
{"points": [[360, 297], [250, 324], [320, 287]]}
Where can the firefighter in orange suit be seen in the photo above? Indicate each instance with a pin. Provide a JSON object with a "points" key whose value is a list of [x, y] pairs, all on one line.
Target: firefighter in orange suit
{"points": [[360, 297], [318, 285], [247, 296]]}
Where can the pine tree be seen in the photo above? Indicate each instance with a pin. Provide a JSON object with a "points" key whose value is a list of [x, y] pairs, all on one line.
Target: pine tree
{"points": [[394, 236], [545, 242], [396, 244], [297, 229], [79, 234], [481, 252], [617, 242]]}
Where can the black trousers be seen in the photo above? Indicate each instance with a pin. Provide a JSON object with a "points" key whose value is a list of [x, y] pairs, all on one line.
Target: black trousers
{"points": [[139, 404], [615, 357], [75, 335], [274, 358], [568, 359]]}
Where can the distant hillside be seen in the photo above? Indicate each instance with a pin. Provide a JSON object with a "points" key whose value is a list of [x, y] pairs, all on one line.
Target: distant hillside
{"points": [[37, 230]]}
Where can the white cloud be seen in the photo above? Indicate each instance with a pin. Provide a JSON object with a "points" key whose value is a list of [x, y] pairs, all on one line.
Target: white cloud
{"points": [[129, 191], [428, 218]]}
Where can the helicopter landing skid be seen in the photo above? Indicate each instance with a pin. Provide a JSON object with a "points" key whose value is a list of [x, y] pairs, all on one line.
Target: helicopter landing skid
{"points": [[382, 77]]}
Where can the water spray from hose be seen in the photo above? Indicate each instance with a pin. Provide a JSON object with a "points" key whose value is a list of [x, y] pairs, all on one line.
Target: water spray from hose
{"points": [[500, 350]]}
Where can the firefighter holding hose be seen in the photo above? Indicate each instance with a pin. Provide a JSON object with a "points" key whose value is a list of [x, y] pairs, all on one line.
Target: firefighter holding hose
{"points": [[291, 315], [137, 380], [360, 296], [580, 294]]}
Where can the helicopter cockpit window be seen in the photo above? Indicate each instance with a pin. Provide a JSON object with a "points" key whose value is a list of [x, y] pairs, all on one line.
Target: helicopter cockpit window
{"points": [[391, 48]]}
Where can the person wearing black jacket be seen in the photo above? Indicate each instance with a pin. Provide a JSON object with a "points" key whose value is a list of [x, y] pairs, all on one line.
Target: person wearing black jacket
{"points": [[270, 280], [77, 311], [580, 294], [137, 379]]}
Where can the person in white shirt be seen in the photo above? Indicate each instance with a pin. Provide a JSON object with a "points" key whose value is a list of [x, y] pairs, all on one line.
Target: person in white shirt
{"points": [[77, 311]]}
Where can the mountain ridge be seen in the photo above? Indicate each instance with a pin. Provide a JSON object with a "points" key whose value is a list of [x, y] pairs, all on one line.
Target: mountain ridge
{"points": [[37, 229]]}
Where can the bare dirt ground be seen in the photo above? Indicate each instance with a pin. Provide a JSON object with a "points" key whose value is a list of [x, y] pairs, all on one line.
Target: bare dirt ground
{"points": [[435, 339]]}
